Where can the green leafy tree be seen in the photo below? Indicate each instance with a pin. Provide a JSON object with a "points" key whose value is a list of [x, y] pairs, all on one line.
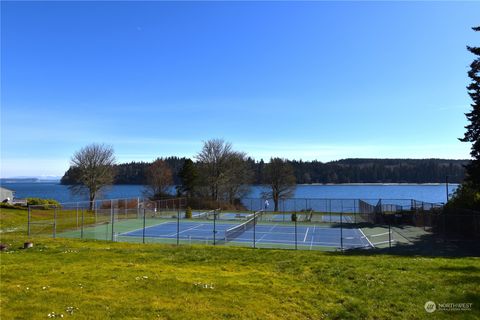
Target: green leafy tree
{"points": [[473, 128], [279, 175]]}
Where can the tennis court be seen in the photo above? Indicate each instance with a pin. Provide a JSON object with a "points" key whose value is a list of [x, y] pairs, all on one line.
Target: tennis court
{"points": [[268, 235]]}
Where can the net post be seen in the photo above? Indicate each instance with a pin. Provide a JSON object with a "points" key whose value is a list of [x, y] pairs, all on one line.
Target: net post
{"points": [[54, 222], [178, 226], [144, 222], [28, 222], [81, 231]]}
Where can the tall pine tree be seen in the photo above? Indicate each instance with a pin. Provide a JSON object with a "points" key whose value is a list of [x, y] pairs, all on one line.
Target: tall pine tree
{"points": [[473, 128]]}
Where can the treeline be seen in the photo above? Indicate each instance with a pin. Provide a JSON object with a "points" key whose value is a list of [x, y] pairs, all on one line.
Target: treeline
{"points": [[341, 171]]}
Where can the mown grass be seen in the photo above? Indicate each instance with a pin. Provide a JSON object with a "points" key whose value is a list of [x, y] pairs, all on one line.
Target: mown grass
{"points": [[103, 280]]}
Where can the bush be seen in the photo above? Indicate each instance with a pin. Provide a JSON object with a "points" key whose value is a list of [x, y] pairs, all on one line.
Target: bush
{"points": [[188, 213], [11, 206], [42, 202], [465, 197]]}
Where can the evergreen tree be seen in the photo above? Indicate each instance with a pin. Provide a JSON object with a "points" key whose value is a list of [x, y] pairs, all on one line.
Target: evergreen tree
{"points": [[473, 128], [189, 178]]}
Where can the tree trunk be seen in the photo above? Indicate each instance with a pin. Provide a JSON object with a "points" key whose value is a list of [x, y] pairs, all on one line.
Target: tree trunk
{"points": [[275, 201], [92, 201]]}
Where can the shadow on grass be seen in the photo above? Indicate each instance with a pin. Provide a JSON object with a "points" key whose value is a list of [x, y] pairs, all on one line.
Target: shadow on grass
{"points": [[428, 244]]}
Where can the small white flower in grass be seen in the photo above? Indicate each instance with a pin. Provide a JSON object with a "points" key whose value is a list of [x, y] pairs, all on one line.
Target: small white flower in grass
{"points": [[145, 277], [137, 278]]}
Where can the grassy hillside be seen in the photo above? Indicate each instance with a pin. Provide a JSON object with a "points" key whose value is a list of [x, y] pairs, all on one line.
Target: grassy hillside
{"points": [[102, 280]]}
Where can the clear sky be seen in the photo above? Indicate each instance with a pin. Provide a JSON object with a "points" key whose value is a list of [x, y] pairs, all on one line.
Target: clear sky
{"points": [[311, 80]]}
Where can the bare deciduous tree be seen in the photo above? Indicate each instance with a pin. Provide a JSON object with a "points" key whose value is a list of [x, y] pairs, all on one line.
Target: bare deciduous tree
{"points": [[212, 160], [238, 176], [281, 180], [159, 179], [223, 172], [93, 165]]}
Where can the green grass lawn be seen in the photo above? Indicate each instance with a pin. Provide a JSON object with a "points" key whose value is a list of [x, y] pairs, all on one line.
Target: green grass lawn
{"points": [[103, 280]]}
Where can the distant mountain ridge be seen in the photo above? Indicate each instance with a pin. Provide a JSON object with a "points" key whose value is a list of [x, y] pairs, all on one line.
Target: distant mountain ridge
{"points": [[30, 179], [354, 170]]}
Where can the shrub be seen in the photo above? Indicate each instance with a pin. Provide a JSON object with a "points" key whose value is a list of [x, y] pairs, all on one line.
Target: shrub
{"points": [[188, 213], [46, 203], [11, 206]]}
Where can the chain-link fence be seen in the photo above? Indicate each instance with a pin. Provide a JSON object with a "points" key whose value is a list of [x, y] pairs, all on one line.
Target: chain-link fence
{"points": [[309, 224]]}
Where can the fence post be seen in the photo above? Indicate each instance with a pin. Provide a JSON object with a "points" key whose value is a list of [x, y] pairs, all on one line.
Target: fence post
{"points": [[28, 224], [125, 205], [341, 228], [77, 214], [54, 222], [214, 227], [144, 220], [138, 207], [330, 208], [296, 217], [178, 226], [81, 232], [389, 234], [112, 215], [254, 227], [354, 211]]}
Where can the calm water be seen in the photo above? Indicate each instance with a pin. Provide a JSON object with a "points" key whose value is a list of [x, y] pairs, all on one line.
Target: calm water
{"points": [[427, 193]]}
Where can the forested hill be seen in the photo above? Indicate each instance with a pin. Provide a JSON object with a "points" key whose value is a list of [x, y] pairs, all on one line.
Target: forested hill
{"points": [[381, 171], [341, 171]]}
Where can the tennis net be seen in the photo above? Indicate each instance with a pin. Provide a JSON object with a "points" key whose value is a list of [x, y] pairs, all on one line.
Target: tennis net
{"points": [[204, 215], [236, 231]]}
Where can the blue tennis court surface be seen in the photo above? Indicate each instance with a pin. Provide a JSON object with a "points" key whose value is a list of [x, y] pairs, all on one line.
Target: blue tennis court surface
{"points": [[336, 218], [268, 234]]}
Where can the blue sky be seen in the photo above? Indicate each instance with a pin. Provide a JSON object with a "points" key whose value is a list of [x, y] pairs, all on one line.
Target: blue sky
{"points": [[311, 80]]}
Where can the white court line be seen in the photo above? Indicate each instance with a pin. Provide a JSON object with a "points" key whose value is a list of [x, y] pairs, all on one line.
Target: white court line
{"points": [[269, 232], [125, 233], [366, 238], [199, 225], [306, 234]]}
